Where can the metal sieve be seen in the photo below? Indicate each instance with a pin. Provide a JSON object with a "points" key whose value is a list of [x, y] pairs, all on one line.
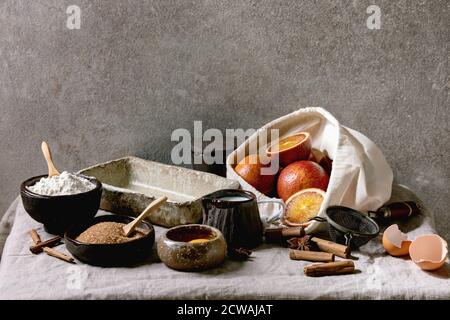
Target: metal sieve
{"points": [[348, 226]]}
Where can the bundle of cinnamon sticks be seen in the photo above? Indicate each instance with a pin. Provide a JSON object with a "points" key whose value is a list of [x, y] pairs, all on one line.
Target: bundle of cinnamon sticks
{"points": [[314, 249], [46, 246]]}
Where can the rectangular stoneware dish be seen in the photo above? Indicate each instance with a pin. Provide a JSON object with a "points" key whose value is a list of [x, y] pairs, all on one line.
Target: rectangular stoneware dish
{"points": [[130, 184]]}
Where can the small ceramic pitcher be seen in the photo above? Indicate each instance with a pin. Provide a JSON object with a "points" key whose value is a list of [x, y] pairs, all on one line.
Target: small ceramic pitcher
{"points": [[235, 213]]}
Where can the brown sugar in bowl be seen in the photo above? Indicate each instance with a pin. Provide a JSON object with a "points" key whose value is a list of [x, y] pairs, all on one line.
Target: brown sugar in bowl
{"points": [[129, 253], [179, 248]]}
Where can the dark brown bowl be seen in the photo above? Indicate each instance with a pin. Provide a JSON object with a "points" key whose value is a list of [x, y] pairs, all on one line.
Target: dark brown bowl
{"points": [[58, 213], [111, 255]]}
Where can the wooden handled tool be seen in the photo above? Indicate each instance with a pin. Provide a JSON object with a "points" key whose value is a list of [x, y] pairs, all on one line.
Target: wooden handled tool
{"points": [[52, 171], [396, 210], [129, 228]]}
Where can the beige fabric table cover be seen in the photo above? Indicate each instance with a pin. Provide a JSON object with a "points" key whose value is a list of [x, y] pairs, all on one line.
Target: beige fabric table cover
{"points": [[270, 274]]}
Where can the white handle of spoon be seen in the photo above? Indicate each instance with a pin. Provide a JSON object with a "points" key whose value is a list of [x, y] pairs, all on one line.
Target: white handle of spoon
{"points": [[52, 171], [129, 228]]}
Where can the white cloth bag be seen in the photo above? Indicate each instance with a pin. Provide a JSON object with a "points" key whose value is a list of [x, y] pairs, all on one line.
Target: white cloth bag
{"points": [[361, 178]]}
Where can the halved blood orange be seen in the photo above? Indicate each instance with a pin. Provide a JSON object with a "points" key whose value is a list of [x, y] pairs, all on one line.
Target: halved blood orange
{"points": [[290, 142], [292, 148], [302, 206]]}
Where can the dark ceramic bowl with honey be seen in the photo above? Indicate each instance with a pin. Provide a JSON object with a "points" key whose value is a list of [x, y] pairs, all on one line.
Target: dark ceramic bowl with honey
{"points": [[58, 213], [192, 247], [123, 254]]}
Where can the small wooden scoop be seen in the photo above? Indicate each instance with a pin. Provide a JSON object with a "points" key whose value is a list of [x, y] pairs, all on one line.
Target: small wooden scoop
{"points": [[48, 157], [129, 228]]}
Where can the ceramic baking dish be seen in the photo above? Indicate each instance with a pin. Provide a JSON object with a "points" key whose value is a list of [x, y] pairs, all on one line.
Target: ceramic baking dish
{"points": [[130, 184]]}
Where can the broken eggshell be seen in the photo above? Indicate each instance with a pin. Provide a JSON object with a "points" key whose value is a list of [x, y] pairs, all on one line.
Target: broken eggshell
{"points": [[395, 242], [429, 251]]}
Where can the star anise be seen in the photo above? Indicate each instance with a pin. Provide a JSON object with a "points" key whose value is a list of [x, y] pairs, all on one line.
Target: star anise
{"points": [[300, 243], [239, 254]]}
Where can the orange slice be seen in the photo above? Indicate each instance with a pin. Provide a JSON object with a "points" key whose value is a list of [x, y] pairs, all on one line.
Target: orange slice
{"points": [[302, 206]]}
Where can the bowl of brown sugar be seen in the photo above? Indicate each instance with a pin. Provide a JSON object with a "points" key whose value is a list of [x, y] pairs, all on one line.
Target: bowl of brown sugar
{"points": [[102, 242]]}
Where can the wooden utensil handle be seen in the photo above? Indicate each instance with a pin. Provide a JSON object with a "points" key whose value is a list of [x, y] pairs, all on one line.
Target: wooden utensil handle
{"points": [[398, 210], [129, 228], [52, 171], [151, 207]]}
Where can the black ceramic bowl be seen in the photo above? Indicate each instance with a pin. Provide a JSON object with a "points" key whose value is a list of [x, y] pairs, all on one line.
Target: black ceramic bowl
{"points": [[58, 213], [111, 255]]}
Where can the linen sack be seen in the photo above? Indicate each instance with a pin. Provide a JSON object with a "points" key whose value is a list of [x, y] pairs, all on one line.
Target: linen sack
{"points": [[361, 177]]}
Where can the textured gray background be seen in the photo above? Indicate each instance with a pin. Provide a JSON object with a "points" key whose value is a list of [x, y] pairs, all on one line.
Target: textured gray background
{"points": [[139, 69]]}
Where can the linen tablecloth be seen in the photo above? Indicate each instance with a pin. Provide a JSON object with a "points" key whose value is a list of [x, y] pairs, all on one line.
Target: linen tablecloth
{"points": [[270, 274]]}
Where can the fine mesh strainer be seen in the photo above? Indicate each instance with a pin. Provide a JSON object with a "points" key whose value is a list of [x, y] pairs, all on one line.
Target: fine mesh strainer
{"points": [[348, 226]]}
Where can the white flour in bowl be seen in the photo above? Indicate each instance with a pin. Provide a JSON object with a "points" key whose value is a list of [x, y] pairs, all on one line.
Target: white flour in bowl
{"points": [[64, 184]]}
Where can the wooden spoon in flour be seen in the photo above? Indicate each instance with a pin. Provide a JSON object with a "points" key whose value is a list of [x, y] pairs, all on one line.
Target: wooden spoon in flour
{"points": [[48, 157], [129, 228]]}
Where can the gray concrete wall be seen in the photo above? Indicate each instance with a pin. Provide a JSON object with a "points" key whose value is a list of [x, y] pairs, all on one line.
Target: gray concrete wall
{"points": [[138, 69]]}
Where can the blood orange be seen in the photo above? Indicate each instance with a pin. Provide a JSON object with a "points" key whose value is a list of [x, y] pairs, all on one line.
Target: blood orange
{"points": [[301, 175], [322, 158], [292, 148], [302, 206], [249, 169]]}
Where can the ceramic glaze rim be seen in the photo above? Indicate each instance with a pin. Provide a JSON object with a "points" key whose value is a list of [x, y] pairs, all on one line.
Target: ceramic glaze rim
{"points": [[216, 234]]}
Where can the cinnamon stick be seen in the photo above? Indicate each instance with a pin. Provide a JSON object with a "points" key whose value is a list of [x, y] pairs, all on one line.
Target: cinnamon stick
{"points": [[332, 247], [330, 268], [57, 254], [314, 256], [37, 248], [35, 236], [281, 234]]}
